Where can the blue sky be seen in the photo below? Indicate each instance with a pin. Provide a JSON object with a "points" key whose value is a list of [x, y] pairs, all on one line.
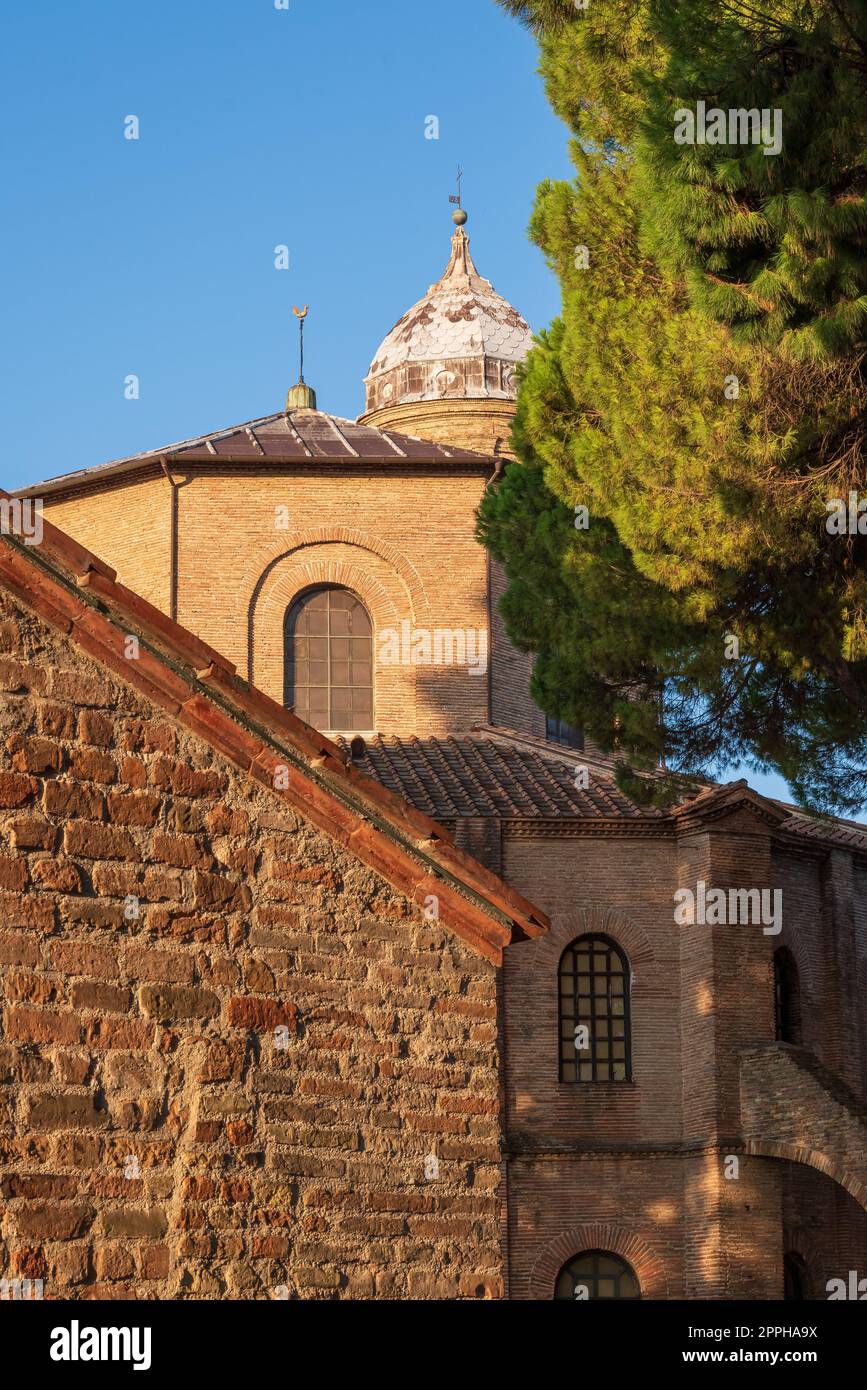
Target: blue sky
{"points": [[259, 127]]}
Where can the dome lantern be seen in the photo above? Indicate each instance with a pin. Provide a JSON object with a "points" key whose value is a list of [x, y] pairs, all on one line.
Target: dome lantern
{"points": [[461, 343]]}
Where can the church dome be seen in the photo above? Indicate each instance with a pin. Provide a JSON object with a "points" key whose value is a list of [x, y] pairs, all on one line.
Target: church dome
{"points": [[461, 341]]}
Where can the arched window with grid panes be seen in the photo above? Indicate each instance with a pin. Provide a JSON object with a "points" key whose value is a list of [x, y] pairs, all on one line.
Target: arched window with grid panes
{"points": [[595, 1039], [596, 1274], [329, 660]]}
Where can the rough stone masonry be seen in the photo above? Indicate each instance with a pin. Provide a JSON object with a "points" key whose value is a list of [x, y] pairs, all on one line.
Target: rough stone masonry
{"points": [[234, 1063]]}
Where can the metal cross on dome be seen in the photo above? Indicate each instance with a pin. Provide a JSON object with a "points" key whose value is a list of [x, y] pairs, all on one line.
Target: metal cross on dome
{"points": [[452, 198]]}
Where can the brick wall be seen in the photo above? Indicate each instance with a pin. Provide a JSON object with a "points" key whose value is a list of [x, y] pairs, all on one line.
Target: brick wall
{"points": [[476, 423], [582, 885], [641, 1168], [130, 521], [640, 1164], [512, 706], [228, 1049], [792, 1106], [404, 541]]}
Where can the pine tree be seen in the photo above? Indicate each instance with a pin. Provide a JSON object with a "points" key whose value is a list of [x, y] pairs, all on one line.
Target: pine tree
{"points": [[706, 586], [774, 245]]}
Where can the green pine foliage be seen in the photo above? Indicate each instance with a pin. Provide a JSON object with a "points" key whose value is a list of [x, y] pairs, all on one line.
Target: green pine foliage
{"points": [[705, 616], [775, 246]]}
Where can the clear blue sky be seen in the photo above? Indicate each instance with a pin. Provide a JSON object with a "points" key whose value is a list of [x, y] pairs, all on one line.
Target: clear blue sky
{"points": [[258, 127]]}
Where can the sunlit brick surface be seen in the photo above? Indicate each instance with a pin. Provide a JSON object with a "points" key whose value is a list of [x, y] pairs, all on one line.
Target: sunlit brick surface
{"points": [[236, 1091]]}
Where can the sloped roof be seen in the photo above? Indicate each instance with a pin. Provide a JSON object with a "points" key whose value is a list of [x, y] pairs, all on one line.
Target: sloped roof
{"points": [[79, 594], [847, 833], [717, 799], [295, 436], [461, 316], [384, 802], [493, 772], [490, 772]]}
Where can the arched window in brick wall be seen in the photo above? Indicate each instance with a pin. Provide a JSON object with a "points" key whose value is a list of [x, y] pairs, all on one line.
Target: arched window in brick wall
{"points": [[787, 997], [596, 1274], [329, 660], [595, 1042]]}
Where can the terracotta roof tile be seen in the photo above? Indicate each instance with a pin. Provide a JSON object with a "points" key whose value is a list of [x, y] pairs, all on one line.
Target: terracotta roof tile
{"points": [[842, 832], [490, 772]]}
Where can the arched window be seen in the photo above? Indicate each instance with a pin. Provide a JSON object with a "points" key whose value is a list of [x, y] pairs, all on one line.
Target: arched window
{"points": [[595, 1042], [329, 660], [787, 997], [596, 1274]]}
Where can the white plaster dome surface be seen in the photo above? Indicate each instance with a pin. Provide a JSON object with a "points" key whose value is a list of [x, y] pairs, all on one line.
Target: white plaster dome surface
{"points": [[465, 337]]}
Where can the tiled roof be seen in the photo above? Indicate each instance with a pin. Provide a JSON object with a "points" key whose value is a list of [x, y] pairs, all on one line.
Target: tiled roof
{"points": [[79, 594], [786, 818], [490, 772], [461, 316], [843, 832], [296, 436]]}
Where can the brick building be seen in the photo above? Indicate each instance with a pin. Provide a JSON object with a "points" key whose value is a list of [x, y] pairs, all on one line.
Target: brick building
{"points": [[421, 1018]]}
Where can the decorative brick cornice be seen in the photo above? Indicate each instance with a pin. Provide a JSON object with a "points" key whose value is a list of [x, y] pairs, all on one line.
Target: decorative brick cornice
{"points": [[280, 442], [719, 802], [519, 1150]]}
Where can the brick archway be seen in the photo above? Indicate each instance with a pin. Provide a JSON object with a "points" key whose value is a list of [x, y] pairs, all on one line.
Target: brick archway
{"points": [[806, 983], [805, 973], [646, 1263], [797, 1242], [280, 548], [604, 922], [798, 1153], [380, 588]]}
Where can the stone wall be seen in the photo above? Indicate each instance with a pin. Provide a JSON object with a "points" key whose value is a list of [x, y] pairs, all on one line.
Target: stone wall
{"points": [[234, 1063]]}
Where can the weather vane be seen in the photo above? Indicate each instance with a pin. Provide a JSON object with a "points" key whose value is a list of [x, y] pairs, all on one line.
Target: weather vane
{"points": [[301, 315], [459, 217]]}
